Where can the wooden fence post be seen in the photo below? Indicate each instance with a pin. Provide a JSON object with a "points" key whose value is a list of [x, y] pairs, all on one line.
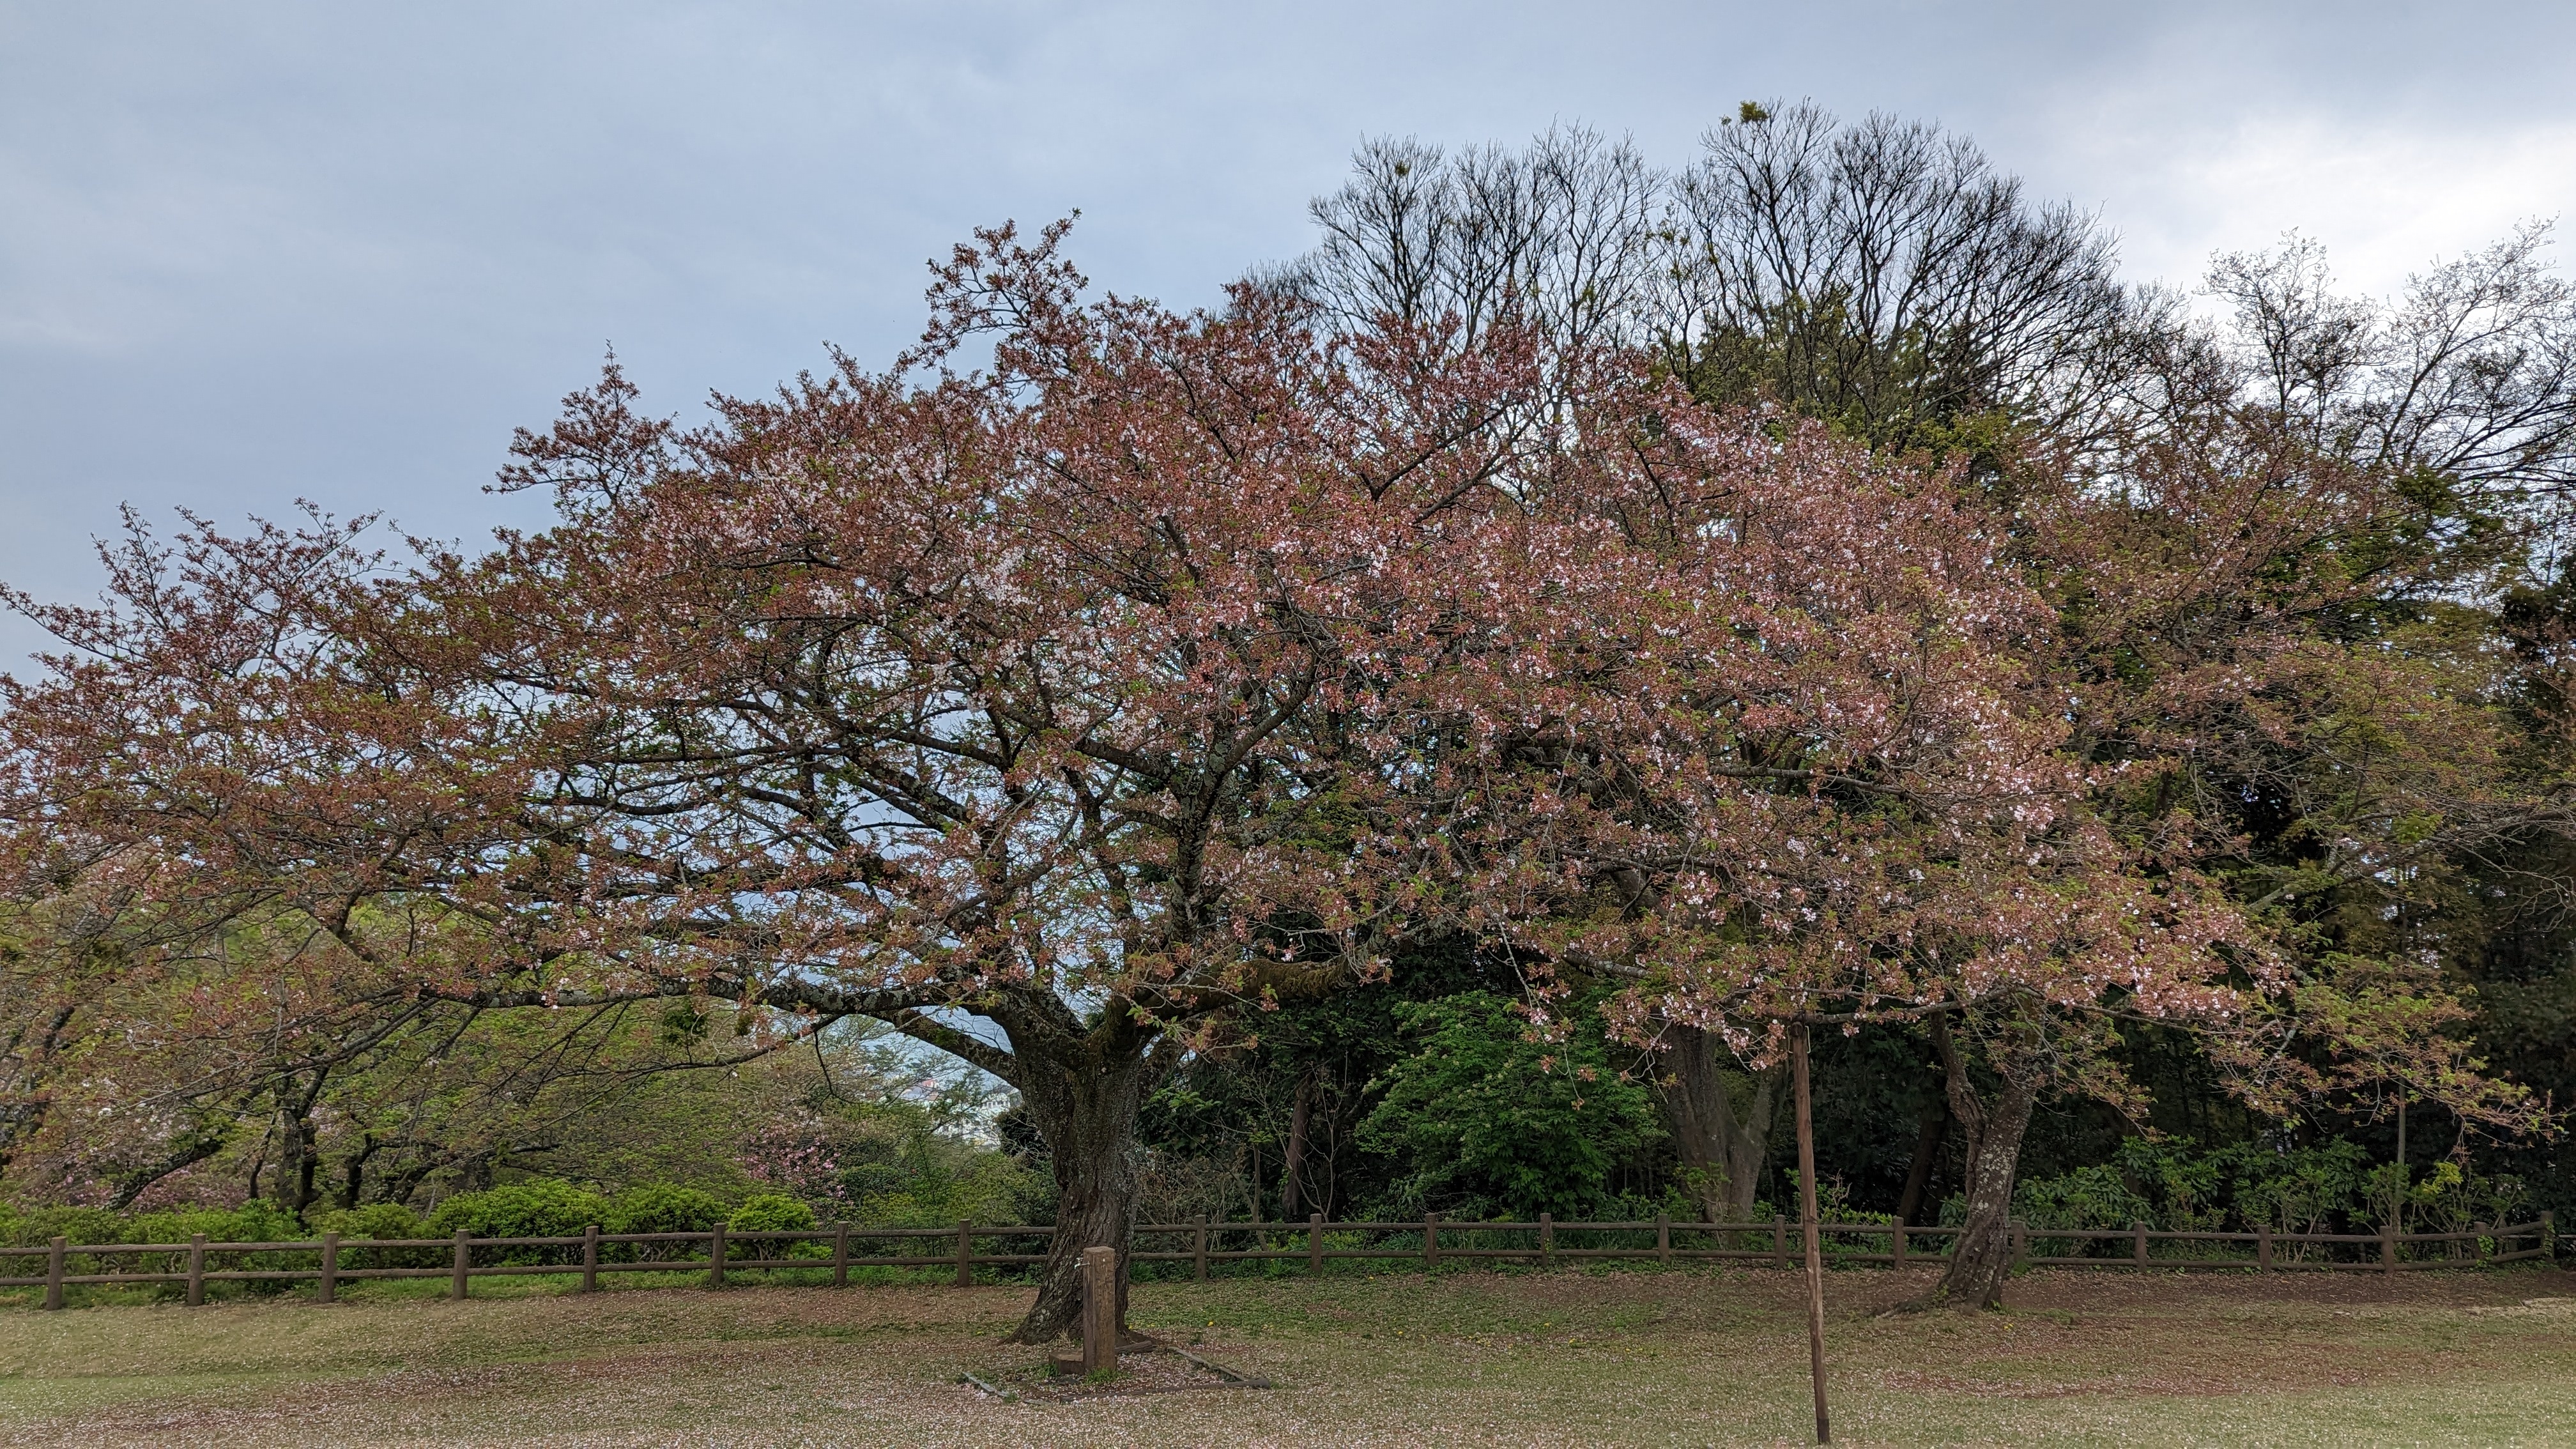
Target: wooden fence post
{"points": [[464, 1260], [2388, 1248], [1099, 1310], [2263, 1248], [590, 1258], [54, 1256], [965, 1253], [2138, 1244], [1664, 1238], [1547, 1240], [2020, 1245], [1896, 1245], [1314, 1242], [840, 1255], [715, 1257], [330, 1292], [1779, 1242], [1198, 1250], [1430, 1241], [2549, 1237], [2478, 1240], [196, 1269]]}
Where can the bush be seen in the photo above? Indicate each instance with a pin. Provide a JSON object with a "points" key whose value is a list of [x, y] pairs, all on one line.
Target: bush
{"points": [[771, 1212], [256, 1221], [378, 1220], [1495, 1122], [539, 1209], [41, 1226], [659, 1207], [776, 1212], [374, 1220]]}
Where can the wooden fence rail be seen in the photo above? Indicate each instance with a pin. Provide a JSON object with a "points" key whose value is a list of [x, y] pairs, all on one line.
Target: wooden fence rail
{"points": [[840, 1247]]}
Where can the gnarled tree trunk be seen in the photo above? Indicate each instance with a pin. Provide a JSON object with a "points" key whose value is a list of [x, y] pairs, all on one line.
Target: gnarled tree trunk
{"points": [[1083, 1093], [1982, 1254], [1722, 1150]]}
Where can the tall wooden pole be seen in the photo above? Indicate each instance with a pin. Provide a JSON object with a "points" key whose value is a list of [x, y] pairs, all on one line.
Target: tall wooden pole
{"points": [[1815, 1248]]}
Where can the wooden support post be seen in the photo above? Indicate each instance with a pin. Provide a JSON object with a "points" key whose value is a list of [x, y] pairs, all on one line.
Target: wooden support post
{"points": [[840, 1255], [196, 1269], [1198, 1250], [590, 1258], [1808, 1227], [459, 1265], [1896, 1245], [2549, 1237], [1314, 1242], [1779, 1242], [1547, 1240], [2388, 1248], [1099, 1310], [1430, 1240], [1664, 1239], [2020, 1245], [965, 1253], [2263, 1248], [54, 1256], [330, 1291], [2478, 1240], [716, 1257], [2138, 1244]]}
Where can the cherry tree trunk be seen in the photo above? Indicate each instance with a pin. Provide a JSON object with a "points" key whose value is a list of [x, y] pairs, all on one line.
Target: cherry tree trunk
{"points": [[1725, 1152], [1084, 1101], [1982, 1256]]}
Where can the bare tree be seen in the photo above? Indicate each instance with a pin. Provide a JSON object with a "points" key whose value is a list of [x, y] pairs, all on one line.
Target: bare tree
{"points": [[1885, 277], [2468, 376], [1563, 237]]}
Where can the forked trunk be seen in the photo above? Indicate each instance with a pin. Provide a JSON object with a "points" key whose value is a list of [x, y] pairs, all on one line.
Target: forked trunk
{"points": [[1084, 1103], [1723, 1151], [1981, 1257]]}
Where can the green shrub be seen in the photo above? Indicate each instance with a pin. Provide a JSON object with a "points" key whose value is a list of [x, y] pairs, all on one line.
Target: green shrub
{"points": [[1497, 1124], [256, 1221], [36, 1228], [378, 1220], [374, 1220], [659, 1207], [540, 1209], [771, 1212], [776, 1212]]}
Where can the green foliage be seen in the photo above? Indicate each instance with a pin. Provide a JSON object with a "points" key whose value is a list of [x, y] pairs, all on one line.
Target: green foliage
{"points": [[1498, 1124], [776, 1212], [36, 1228], [661, 1207], [2326, 1187], [374, 1220], [771, 1212], [925, 1180], [378, 1220], [540, 1209], [256, 1221]]}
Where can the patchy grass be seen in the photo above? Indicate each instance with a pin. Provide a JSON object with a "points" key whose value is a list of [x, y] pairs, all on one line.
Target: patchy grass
{"points": [[1470, 1357]]}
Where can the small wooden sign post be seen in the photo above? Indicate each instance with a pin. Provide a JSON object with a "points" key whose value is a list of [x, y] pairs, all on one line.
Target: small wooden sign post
{"points": [[1099, 1310]]}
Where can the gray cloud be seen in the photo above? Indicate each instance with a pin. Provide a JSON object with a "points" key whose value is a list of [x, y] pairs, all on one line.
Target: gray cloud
{"points": [[256, 252]]}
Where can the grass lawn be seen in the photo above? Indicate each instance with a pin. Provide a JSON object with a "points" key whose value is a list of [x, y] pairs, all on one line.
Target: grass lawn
{"points": [[1468, 1358]]}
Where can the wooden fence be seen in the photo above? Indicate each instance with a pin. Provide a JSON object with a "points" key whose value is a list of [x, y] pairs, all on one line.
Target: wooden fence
{"points": [[1427, 1243]]}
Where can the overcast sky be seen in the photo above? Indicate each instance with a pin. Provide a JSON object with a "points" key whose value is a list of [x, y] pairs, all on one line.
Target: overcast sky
{"points": [[257, 252]]}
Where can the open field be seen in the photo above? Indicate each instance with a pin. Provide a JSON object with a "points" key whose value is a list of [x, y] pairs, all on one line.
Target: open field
{"points": [[1485, 1358]]}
